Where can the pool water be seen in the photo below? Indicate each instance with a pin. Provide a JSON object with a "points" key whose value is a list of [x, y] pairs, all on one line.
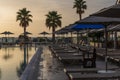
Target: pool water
{"points": [[13, 61]]}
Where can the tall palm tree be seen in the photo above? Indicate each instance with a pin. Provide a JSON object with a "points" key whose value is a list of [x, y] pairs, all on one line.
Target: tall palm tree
{"points": [[53, 20], [80, 6], [24, 16]]}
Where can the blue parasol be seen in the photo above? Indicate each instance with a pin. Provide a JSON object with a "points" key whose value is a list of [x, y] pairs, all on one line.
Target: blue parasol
{"points": [[86, 26]]}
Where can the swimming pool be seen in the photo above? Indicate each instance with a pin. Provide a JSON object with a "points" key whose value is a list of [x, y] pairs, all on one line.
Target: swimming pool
{"points": [[13, 61]]}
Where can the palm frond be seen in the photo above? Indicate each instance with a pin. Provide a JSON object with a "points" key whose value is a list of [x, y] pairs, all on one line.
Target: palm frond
{"points": [[24, 16]]}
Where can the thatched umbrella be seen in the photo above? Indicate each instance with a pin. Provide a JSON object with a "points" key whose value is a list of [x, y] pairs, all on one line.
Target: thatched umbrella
{"points": [[44, 33], [25, 37], [7, 33]]}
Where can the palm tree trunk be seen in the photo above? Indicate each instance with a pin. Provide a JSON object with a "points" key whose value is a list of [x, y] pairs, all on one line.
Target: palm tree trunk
{"points": [[25, 55], [25, 46], [24, 34], [53, 34]]}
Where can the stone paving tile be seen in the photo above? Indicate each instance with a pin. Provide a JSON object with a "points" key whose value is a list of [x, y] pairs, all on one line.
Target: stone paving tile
{"points": [[51, 69]]}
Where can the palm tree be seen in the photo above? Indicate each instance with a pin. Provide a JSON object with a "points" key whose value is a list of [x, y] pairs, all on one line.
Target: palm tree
{"points": [[80, 6], [53, 20], [24, 16]]}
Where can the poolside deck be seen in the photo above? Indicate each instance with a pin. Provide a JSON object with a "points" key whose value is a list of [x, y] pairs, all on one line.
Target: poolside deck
{"points": [[51, 68]]}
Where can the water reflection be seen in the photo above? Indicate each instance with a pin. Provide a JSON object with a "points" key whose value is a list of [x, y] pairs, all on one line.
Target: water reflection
{"points": [[21, 68], [12, 61], [0, 74], [25, 61], [7, 56]]}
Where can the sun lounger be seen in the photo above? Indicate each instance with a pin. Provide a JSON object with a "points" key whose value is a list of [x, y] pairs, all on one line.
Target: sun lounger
{"points": [[56, 53], [70, 57], [80, 70], [95, 76], [65, 51], [71, 60], [69, 54]]}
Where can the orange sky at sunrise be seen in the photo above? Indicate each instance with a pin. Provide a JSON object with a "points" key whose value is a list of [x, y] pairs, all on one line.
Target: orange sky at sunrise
{"points": [[39, 8]]}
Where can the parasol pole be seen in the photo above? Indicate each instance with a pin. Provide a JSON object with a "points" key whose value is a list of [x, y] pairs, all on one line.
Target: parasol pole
{"points": [[106, 41]]}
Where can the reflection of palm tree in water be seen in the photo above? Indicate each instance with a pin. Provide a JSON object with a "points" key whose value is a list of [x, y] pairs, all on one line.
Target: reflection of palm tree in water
{"points": [[26, 54], [26, 50], [24, 63], [0, 74], [21, 68], [27, 58], [7, 55]]}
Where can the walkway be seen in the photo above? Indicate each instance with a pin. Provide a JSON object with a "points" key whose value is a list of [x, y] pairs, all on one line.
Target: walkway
{"points": [[50, 67]]}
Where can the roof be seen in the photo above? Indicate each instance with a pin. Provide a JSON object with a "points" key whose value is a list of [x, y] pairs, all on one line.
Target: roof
{"points": [[112, 11], [99, 20]]}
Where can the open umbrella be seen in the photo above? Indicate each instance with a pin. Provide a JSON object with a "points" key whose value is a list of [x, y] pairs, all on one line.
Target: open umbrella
{"points": [[44, 33], [112, 11], [7, 33], [61, 31], [106, 17], [100, 20]]}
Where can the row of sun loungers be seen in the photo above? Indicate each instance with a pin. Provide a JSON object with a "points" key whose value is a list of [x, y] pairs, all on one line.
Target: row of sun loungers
{"points": [[66, 55], [95, 76], [72, 56], [78, 73], [112, 55]]}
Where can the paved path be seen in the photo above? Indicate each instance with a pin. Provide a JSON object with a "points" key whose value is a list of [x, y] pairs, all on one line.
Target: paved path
{"points": [[50, 68]]}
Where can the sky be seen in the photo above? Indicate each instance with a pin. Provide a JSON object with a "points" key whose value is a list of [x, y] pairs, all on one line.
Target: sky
{"points": [[39, 8]]}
